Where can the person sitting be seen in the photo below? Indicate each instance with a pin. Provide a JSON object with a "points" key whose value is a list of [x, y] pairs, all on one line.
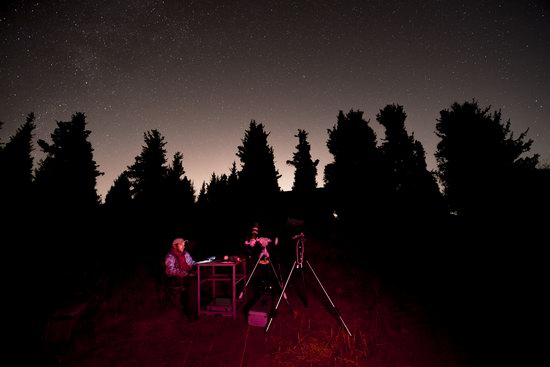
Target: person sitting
{"points": [[180, 271]]}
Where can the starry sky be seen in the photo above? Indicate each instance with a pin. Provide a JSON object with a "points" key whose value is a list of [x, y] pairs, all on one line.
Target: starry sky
{"points": [[200, 71]]}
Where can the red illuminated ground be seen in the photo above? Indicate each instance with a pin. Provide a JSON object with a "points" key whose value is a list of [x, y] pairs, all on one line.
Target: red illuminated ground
{"points": [[131, 327]]}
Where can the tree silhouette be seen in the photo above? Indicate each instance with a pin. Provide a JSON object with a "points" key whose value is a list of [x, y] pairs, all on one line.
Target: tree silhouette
{"points": [[148, 178], [478, 158], [180, 197], [233, 178], [147, 174], [235, 209], [258, 178], [119, 196], [16, 168], [219, 214], [305, 173], [180, 187], [355, 179], [68, 205], [221, 210], [66, 178], [301, 201], [415, 192], [118, 221], [201, 209]]}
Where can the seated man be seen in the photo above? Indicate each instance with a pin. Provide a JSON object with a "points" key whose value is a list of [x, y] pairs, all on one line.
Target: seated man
{"points": [[179, 267]]}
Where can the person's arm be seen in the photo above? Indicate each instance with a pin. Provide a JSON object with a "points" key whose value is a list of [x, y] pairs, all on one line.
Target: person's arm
{"points": [[189, 260]]}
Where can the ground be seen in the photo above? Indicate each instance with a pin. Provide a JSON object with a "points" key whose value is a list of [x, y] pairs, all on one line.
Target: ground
{"points": [[130, 326]]}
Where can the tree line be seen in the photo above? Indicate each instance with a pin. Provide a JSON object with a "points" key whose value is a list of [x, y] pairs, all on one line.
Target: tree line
{"points": [[484, 171]]}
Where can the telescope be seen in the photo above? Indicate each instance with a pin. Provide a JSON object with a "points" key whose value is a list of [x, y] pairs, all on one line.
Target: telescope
{"points": [[264, 241]]}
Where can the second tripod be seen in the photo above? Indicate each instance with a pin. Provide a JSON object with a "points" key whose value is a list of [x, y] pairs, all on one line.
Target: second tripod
{"points": [[299, 264]]}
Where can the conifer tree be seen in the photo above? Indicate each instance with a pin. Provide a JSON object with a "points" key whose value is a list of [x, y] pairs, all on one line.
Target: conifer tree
{"points": [[148, 173], [258, 178], [67, 177], [414, 188], [16, 168], [355, 179], [180, 198], [305, 173], [67, 199], [119, 196], [148, 177], [478, 158], [180, 188]]}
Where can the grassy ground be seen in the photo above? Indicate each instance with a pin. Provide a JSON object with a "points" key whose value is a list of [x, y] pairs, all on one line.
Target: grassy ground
{"points": [[126, 324]]}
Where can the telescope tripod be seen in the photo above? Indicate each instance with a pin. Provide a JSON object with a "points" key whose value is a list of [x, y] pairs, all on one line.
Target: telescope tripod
{"points": [[299, 265], [263, 258]]}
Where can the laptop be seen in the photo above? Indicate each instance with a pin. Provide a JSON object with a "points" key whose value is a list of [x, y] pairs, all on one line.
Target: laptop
{"points": [[207, 260]]}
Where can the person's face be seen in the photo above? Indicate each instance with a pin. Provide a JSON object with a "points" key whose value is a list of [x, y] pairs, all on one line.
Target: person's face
{"points": [[180, 246]]}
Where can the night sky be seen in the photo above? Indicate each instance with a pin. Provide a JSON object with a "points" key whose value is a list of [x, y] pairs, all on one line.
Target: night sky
{"points": [[199, 71]]}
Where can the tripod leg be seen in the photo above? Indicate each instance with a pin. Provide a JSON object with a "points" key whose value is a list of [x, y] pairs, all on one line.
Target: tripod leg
{"points": [[250, 277], [328, 297], [274, 313], [304, 294], [279, 282]]}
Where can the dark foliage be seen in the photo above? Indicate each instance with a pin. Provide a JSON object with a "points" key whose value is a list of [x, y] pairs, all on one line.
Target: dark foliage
{"points": [[415, 196], [305, 174], [67, 177], [305, 177], [55, 251], [118, 215], [148, 173], [356, 180], [180, 198], [66, 189], [479, 160], [16, 167], [119, 196], [258, 178], [163, 197]]}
